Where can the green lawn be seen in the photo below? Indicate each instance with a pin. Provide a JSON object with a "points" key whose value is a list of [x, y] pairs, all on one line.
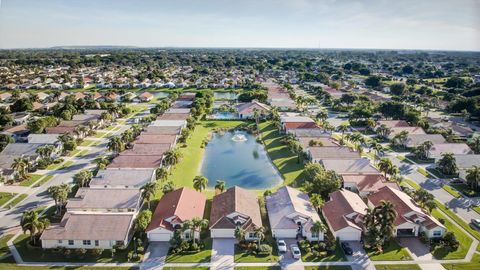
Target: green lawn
{"points": [[9, 264], [393, 252], [423, 172], [254, 268], [100, 134], [32, 178], [337, 256], [199, 257], [87, 142], [36, 254], [3, 245], [452, 191], [465, 240], [74, 152], [183, 173], [242, 257], [44, 180], [281, 156], [65, 165], [398, 267], [474, 264], [16, 200], [439, 174], [5, 197], [329, 267]]}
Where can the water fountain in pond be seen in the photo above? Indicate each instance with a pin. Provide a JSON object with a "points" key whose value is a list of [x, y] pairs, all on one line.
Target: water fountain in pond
{"points": [[239, 138]]}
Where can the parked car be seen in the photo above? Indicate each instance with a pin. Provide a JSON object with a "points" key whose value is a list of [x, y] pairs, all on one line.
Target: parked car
{"points": [[476, 222], [347, 249], [295, 252], [282, 246]]}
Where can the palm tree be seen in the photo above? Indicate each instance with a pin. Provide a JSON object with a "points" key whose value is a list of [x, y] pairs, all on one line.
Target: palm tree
{"points": [[127, 136], [196, 225], [161, 173], [343, 128], [260, 234], [172, 157], [473, 177], [379, 150], [385, 165], [475, 144], [59, 195], [401, 138], [116, 145], [20, 166], [82, 178], [148, 191], [423, 197], [447, 164], [388, 215], [220, 186], [383, 131], [101, 161], [239, 234], [322, 115], [200, 183], [32, 223], [317, 201], [318, 227]]}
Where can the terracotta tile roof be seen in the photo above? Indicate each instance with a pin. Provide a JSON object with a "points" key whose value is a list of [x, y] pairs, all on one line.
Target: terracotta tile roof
{"points": [[183, 203], [16, 129], [174, 116], [140, 162], [147, 150], [350, 166], [332, 152], [247, 108], [187, 96], [410, 130], [456, 148], [91, 226], [157, 130], [146, 95], [324, 141], [155, 139], [343, 203], [59, 130], [103, 198], [235, 200], [393, 123], [369, 182], [300, 125]]}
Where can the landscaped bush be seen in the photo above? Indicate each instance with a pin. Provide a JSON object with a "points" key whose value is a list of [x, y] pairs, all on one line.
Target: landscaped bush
{"points": [[264, 250]]}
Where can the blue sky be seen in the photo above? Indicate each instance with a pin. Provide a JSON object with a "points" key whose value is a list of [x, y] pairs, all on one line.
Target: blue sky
{"points": [[400, 24]]}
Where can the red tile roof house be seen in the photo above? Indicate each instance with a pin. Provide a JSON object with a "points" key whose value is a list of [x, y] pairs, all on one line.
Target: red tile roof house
{"points": [[291, 214], [393, 123], [246, 110], [411, 218], [288, 127], [90, 230], [136, 162], [438, 149], [172, 210], [317, 154], [156, 139], [410, 130], [147, 150], [232, 208], [174, 116], [145, 96], [366, 184], [359, 166], [344, 214], [152, 130]]}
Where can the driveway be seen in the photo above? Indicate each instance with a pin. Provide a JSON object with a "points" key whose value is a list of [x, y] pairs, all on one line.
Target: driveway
{"points": [[419, 250], [223, 251], [155, 256], [359, 257], [287, 261]]}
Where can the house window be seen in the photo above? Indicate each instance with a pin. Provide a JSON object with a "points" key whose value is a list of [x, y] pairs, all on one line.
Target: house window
{"points": [[314, 234], [437, 233], [187, 235], [70, 242], [60, 241], [87, 242], [97, 243], [251, 235]]}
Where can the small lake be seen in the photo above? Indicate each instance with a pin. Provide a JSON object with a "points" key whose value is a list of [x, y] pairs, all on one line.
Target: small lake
{"points": [[225, 95], [238, 159], [160, 94]]}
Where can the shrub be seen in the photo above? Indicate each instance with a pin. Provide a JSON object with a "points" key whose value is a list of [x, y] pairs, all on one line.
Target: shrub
{"points": [[264, 249], [423, 237], [97, 252], [450, 241], [81, 252]]}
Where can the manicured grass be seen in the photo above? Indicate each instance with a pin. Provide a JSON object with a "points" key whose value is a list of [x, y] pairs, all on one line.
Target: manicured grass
{"points": [[3, 245], [439, 174], [74, 152], [87, 142], [16, 200], [393, 252], [82, 153], [32, 178], [199, 257], [65, 165], [183, 173], [423, 172], [44, 180], [281, 156], [100, 134], [452, 191], [464, 240], [337, 255], [37, 254], [465, 189], [398, 267], [255, 268], [5, 197], [328, 267], [243, 257], [420, 161], [402, 158], [474, 264], [412, 183]]}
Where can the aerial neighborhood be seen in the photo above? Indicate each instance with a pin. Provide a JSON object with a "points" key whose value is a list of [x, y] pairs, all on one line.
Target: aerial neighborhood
{"points": [[229, 159]]}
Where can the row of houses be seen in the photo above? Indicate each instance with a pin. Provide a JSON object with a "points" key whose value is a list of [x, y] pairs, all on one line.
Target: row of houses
{"points": [[363, 186], [279, 97], [102, 215]]}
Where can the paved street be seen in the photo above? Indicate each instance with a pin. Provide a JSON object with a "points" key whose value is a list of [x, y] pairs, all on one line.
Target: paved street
{"points": [[39, 196]]}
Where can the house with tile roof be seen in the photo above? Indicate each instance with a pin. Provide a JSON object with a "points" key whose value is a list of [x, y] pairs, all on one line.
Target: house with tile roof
{"points": [[122, 178], [438, 149], [317, 154], [344, 214], [246, 110], [291, 214], [236, 207], [173, 209], [366, 184], [411, 218]]}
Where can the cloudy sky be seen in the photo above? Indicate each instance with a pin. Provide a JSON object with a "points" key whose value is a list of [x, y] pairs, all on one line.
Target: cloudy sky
{"points": [[390, 24]]}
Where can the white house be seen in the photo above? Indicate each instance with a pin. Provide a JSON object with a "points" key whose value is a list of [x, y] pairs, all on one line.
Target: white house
{"points": [[172, 211], [291, 215]]}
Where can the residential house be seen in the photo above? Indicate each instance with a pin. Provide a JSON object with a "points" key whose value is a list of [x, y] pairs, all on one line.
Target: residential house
{"points": [[145, 97], [173, 209], [18, 133], [158, 130], [246, 110], [417, 139], [174, 116], [122, 178], [136, 162], [291, 215], [350, 166], [51, 139], [101, 200], [393, 123], [411, 218], [151, 149], [366, 184], [438, 149], [169, 123], [235, 208], [317, 154], [308, 142], [344, 214], [465, 162], [156, 139], [21, 117], [410, 130]]}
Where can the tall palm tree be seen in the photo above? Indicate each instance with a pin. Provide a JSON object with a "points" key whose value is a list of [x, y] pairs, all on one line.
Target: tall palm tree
{"points": [[473, 177], [220, 186], [317, 201], [116, 145], [60, 195], [172, 157], [101, 161], [195, 225], [475, 144], [20, 166], [379, 150], [385, 165], [388, 215], [239, 234], [343, 128], [161, 173], [32, 223], [322, 115], [401, 139], [260, 234], [82, 178], [447, 164], [200, 183], [318, 227], [383, 131], [127, 136], [148, 191]]}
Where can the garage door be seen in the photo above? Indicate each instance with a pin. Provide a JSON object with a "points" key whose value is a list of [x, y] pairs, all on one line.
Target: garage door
{"points": [[349, 236], [153, 237], [222, 233]]}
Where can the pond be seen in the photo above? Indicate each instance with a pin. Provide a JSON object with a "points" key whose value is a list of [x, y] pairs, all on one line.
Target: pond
{"points": [[161, 94], [225, 95], [223, 115], [238, 159]]}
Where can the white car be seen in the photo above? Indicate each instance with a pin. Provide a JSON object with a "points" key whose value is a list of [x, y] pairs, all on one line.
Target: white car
{"points": [[295, 252], [476, 222], [282, 246]]}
